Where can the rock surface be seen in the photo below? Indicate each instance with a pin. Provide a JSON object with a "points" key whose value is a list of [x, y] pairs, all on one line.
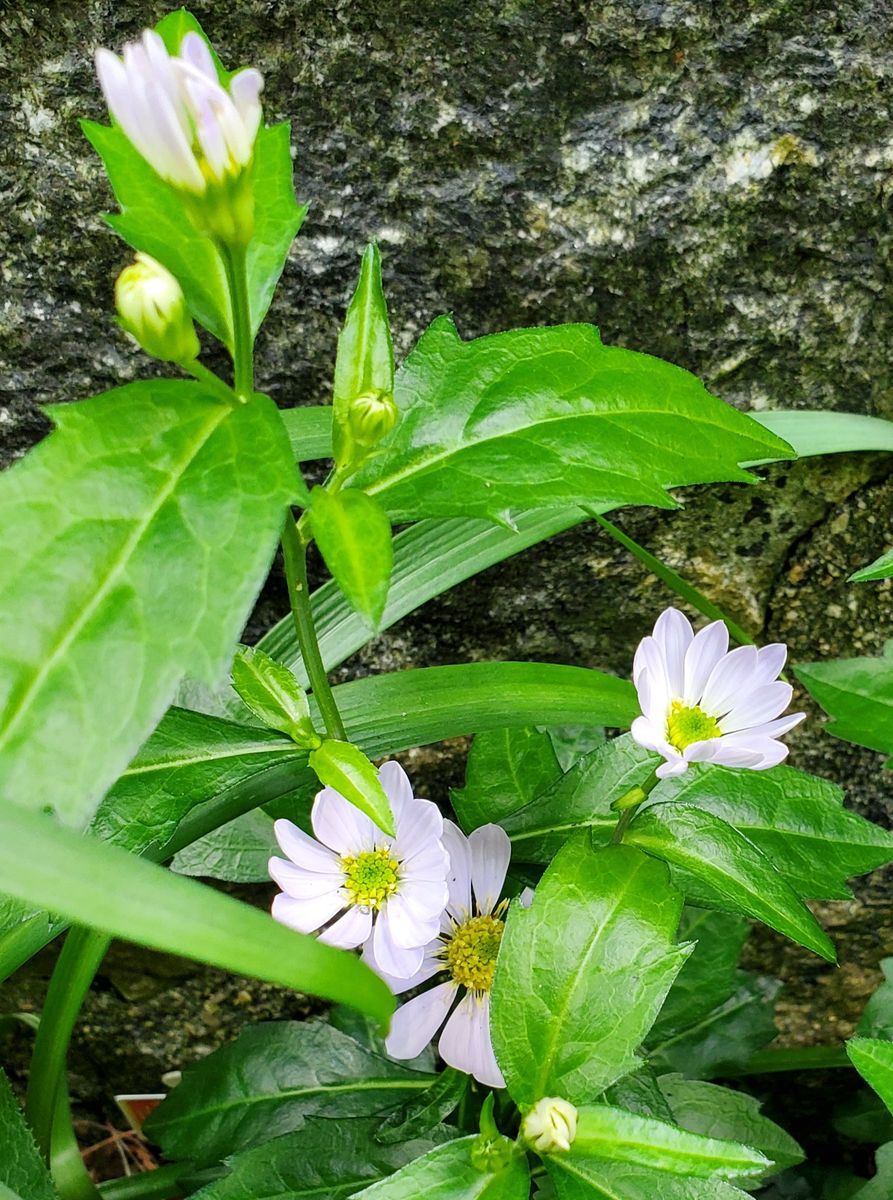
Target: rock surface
{"points": [[709, 183]]}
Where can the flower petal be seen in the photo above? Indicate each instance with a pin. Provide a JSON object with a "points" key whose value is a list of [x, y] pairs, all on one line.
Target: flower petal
{"points": [[465, 1042], [673, 635], [416, 1023], [707, 648], [350, 930], [406, 927], [306, 915], [400, 961], [397, 788], [491, 852], [301, 884], [302, 849], [432, 963], [419, 826], [194, 49], [459, 878], [341, 826], [729, 680], [762, 704]]}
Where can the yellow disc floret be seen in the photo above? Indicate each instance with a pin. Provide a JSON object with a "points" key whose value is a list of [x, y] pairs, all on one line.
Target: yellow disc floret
{"points": [[471, 952], [690, 724], [371, 877]]}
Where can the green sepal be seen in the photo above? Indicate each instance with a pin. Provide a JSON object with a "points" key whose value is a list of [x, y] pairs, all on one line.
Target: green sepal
{"points": [[344, 767]]}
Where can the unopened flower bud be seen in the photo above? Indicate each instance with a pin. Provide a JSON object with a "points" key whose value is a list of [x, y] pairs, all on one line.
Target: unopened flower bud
{"points": [[371, 417], [550, 1125], [152, 308], [492, 1153]]}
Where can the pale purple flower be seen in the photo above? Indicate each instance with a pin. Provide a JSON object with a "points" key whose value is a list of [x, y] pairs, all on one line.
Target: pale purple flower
{"points": [[173, 108], [356, 885], [702, 702], [465, 951]]}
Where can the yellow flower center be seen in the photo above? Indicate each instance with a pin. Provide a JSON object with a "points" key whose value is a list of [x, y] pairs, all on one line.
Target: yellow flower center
{"points": [[370, 877], [690, 724], [471, 952]]}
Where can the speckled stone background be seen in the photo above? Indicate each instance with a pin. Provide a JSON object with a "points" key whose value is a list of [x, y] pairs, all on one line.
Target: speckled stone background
{"points": [[706, 182]]}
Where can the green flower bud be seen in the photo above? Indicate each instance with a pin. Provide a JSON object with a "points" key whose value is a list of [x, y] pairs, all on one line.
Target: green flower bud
{"points": [[371, 417], [550, 1126], [152, 309], [492, 1154]]}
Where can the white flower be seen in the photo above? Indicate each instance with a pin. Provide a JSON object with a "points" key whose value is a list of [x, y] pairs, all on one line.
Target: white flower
{"points": [[357, 885], [551, 1125], [702, 702], [177, 114], [152, 308], [466, 949]]}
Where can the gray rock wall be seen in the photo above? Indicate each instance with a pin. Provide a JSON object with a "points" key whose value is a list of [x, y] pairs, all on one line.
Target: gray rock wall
{"points": [[709, 182]]}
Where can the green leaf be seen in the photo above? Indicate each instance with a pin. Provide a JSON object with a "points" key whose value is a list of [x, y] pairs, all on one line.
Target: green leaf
{"points": [[273, 694], [539, 417], [582, 973], [268, 1081], [720, 868], [87, 522], [881, 568], [447, 1173], [638, 1093], [354, 537], [426, 1111], [718, 1112], [863, 1117], [881, 1186], [342, 766], [857, 694], [109, 889], [309, 430], [237, 852], [797, 820], [22, 1171], [581, 798], [625, 1137], [873, 1059], [323, 1160], [577, 1178], [877, 1018], [812, 432], [506, 769]]}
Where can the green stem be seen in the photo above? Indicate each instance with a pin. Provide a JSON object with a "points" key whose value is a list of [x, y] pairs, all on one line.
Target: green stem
{"points": [[631, 802], [294, 552], [234, 262], [159, 1184], [69, 1173], [796, 1058], [211, 381], [79, 961]]}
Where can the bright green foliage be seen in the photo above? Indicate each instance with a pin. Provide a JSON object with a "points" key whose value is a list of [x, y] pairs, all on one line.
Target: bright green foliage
{"points": [[354, 537], [877, 1018], [718, 868], [87, 522], [237, 852], [22, 1172], [639, 1093], [579, 1178], [582, 972], [719, 1112], [309, 1165], [268, 1081], [273, 694], [424, 1112], [812, 433], [797, 820], [447, 1173], [873, 1059], [506, 769], [340, 765], [166, 912], [715, 1016], [881, 568], [624, 1137], [857, 694], [537, 417], [581, 798]]}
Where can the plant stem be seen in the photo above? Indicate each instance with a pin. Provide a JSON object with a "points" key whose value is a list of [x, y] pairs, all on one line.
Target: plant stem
{"points": [[67, 1167], [294, 552], [631, 808], [79, 961], [211, 381], [159, 1184], [243, 341]]}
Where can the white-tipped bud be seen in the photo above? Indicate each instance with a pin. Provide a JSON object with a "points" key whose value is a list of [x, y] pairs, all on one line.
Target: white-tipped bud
{"points": [[152, 309], [371, 417], [550, 1126]]}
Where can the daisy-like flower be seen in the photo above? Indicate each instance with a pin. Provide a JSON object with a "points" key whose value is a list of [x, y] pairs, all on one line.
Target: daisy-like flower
{"points": [[356, 886], [465, 951], [188, 127], [702, 702]]}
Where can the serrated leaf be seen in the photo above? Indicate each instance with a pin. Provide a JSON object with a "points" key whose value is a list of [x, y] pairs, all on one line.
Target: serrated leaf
{"points": [[624, 1137], [506, 769], [797, 820], [324, 1160], [87, 521], [873, 1059], [719, 1112], [579, 799], [237, 852], [447, 1173], [540, 417], [344, 767], [354, 537], [268, 1082], [273, 694], [22, 1171], [577, 1178], [424, 1112], [717, 867], [582, 973], [857, 694]]}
